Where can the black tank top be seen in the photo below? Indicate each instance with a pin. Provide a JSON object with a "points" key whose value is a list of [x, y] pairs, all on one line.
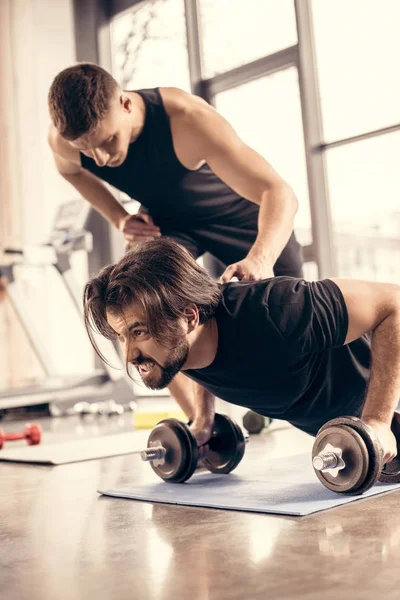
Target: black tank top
{"points": [[195, 207], [152, 175]]}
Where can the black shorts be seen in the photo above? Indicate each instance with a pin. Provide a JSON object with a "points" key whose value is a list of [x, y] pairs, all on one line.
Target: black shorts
{"points": [[230, 244]]}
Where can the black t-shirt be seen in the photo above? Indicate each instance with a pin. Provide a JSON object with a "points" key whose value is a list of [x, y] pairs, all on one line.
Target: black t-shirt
{"points": [[280, 352]]}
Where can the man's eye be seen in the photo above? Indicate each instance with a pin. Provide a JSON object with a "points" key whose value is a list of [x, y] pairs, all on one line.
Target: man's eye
{"points": [[138, 333]]}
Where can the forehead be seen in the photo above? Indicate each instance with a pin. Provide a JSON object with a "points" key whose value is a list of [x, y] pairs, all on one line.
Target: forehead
{"points": [[131, 314], [103, 130]]}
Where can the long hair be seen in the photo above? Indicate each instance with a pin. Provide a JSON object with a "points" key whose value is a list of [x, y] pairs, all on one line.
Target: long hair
{"points": [[162, 279]]}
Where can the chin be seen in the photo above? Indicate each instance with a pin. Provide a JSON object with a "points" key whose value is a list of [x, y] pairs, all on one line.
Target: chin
{"points": [[155, 385], [116, 162]]}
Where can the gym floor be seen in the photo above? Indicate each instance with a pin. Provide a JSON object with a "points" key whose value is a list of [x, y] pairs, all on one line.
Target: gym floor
{"points": [[60, 540]]}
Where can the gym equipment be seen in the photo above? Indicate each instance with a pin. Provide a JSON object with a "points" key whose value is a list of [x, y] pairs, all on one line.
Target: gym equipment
{"points": [[77, 450], [147, 419], [173, 452], [283, 485], [348, 458], [109, 408], [254, 422], [68, 235], [32, 435]]}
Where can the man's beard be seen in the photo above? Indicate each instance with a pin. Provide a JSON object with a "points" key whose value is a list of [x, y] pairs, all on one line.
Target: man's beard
{"points": [[160, 376]]}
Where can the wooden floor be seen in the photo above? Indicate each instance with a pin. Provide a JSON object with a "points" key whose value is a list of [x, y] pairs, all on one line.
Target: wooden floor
{"points": [[59, 540]]}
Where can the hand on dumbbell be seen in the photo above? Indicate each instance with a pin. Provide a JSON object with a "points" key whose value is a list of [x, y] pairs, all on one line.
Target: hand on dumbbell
{"points": [[386, 439], [173, 451], [32, 435], [201, 431], [348, 456]]}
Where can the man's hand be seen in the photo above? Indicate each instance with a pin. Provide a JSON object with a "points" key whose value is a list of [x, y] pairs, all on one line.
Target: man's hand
{"points": [[201, 430], [386, 438], [248, 269], [138, 228]]}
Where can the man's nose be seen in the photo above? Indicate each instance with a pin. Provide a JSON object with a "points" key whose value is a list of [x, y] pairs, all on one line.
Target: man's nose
{"points": [[100, 158], [131, 353]]}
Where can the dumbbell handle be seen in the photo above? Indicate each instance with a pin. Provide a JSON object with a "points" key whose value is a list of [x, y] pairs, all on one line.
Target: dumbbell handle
{"points": [[155, 453], [10, 437], [325, 460], [159, 452]]}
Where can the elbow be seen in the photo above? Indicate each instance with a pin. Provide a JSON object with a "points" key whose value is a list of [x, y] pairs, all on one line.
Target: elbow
{"points": [[293, 202], [286, 192]]}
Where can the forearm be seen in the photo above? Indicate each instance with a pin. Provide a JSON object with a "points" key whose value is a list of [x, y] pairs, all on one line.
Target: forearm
{"points": [[275, 223], [384, 386], [181, 389], [96, 193], [197, 403], [204, 405]]}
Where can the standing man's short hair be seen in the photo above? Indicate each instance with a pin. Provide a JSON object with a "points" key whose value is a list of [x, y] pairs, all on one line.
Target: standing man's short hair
{"points": [[79, 98]]}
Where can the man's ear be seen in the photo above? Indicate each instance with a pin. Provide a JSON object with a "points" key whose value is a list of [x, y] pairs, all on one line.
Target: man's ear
{"points": [[125, 102], [192, 317]]}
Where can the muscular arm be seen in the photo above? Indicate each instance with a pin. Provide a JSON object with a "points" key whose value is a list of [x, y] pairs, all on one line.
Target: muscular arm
{"points": [[375, 307], [197, 403], [201, 135], [68, 163]]}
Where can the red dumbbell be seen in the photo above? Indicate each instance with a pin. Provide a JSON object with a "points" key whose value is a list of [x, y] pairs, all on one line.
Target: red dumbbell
{"points": [[32, 435]]}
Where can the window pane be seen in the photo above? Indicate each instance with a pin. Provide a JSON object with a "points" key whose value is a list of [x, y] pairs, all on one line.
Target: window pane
{"points": [[364, 190], [273, 127], [149, 46], [358, 49], [236, 32]]}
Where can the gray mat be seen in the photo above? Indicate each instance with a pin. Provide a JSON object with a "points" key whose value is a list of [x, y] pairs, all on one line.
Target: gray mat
{"points": [[61, 453], [286, 486]]}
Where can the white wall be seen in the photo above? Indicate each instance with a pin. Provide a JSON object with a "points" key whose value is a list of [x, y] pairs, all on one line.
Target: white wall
{"points": [[42, 44], [39, 43]]}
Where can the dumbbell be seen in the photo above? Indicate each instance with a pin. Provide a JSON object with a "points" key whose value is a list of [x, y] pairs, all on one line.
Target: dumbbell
{"points": [[32, 435], [348, 458], [173, 451], [254, 422]]}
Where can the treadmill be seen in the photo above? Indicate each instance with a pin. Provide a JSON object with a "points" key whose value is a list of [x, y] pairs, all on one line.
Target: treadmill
{"points": [[67, 236]]}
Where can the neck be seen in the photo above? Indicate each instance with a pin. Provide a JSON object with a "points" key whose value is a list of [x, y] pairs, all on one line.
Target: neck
{"points": [[138, 114], [203, 345]]}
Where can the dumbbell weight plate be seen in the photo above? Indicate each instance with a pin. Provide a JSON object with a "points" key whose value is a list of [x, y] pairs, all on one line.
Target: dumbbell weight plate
{"points": [[33, 433], [354, 454], [226, 446], [182, 451], [254, 422], [373, 462], [391, 471]]}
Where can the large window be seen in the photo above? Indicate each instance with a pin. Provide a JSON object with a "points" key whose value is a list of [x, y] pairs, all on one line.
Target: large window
{"points": [[149, 46], [364, 189], [358, 52], [236, 32], [272, 125]]}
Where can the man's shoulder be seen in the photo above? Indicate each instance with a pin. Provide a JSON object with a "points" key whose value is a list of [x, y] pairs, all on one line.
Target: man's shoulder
{"points": [[61, 147], [274, 289], [179, 103]]}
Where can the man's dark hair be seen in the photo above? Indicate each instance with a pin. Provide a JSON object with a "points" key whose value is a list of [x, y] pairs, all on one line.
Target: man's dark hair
{"points": [[162, 278], [79, 98]]}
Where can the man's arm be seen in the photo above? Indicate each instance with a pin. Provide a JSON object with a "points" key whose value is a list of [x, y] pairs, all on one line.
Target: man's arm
{"points": [[68, 162], [213, 140], [375, 307], [197, 403]]}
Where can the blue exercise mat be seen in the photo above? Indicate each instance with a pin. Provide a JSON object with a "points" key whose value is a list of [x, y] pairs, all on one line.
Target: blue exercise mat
{"points": [[285, 486]]}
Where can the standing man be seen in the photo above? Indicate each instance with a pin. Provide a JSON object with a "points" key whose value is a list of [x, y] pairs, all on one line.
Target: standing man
{"points": [[196, 180]]}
